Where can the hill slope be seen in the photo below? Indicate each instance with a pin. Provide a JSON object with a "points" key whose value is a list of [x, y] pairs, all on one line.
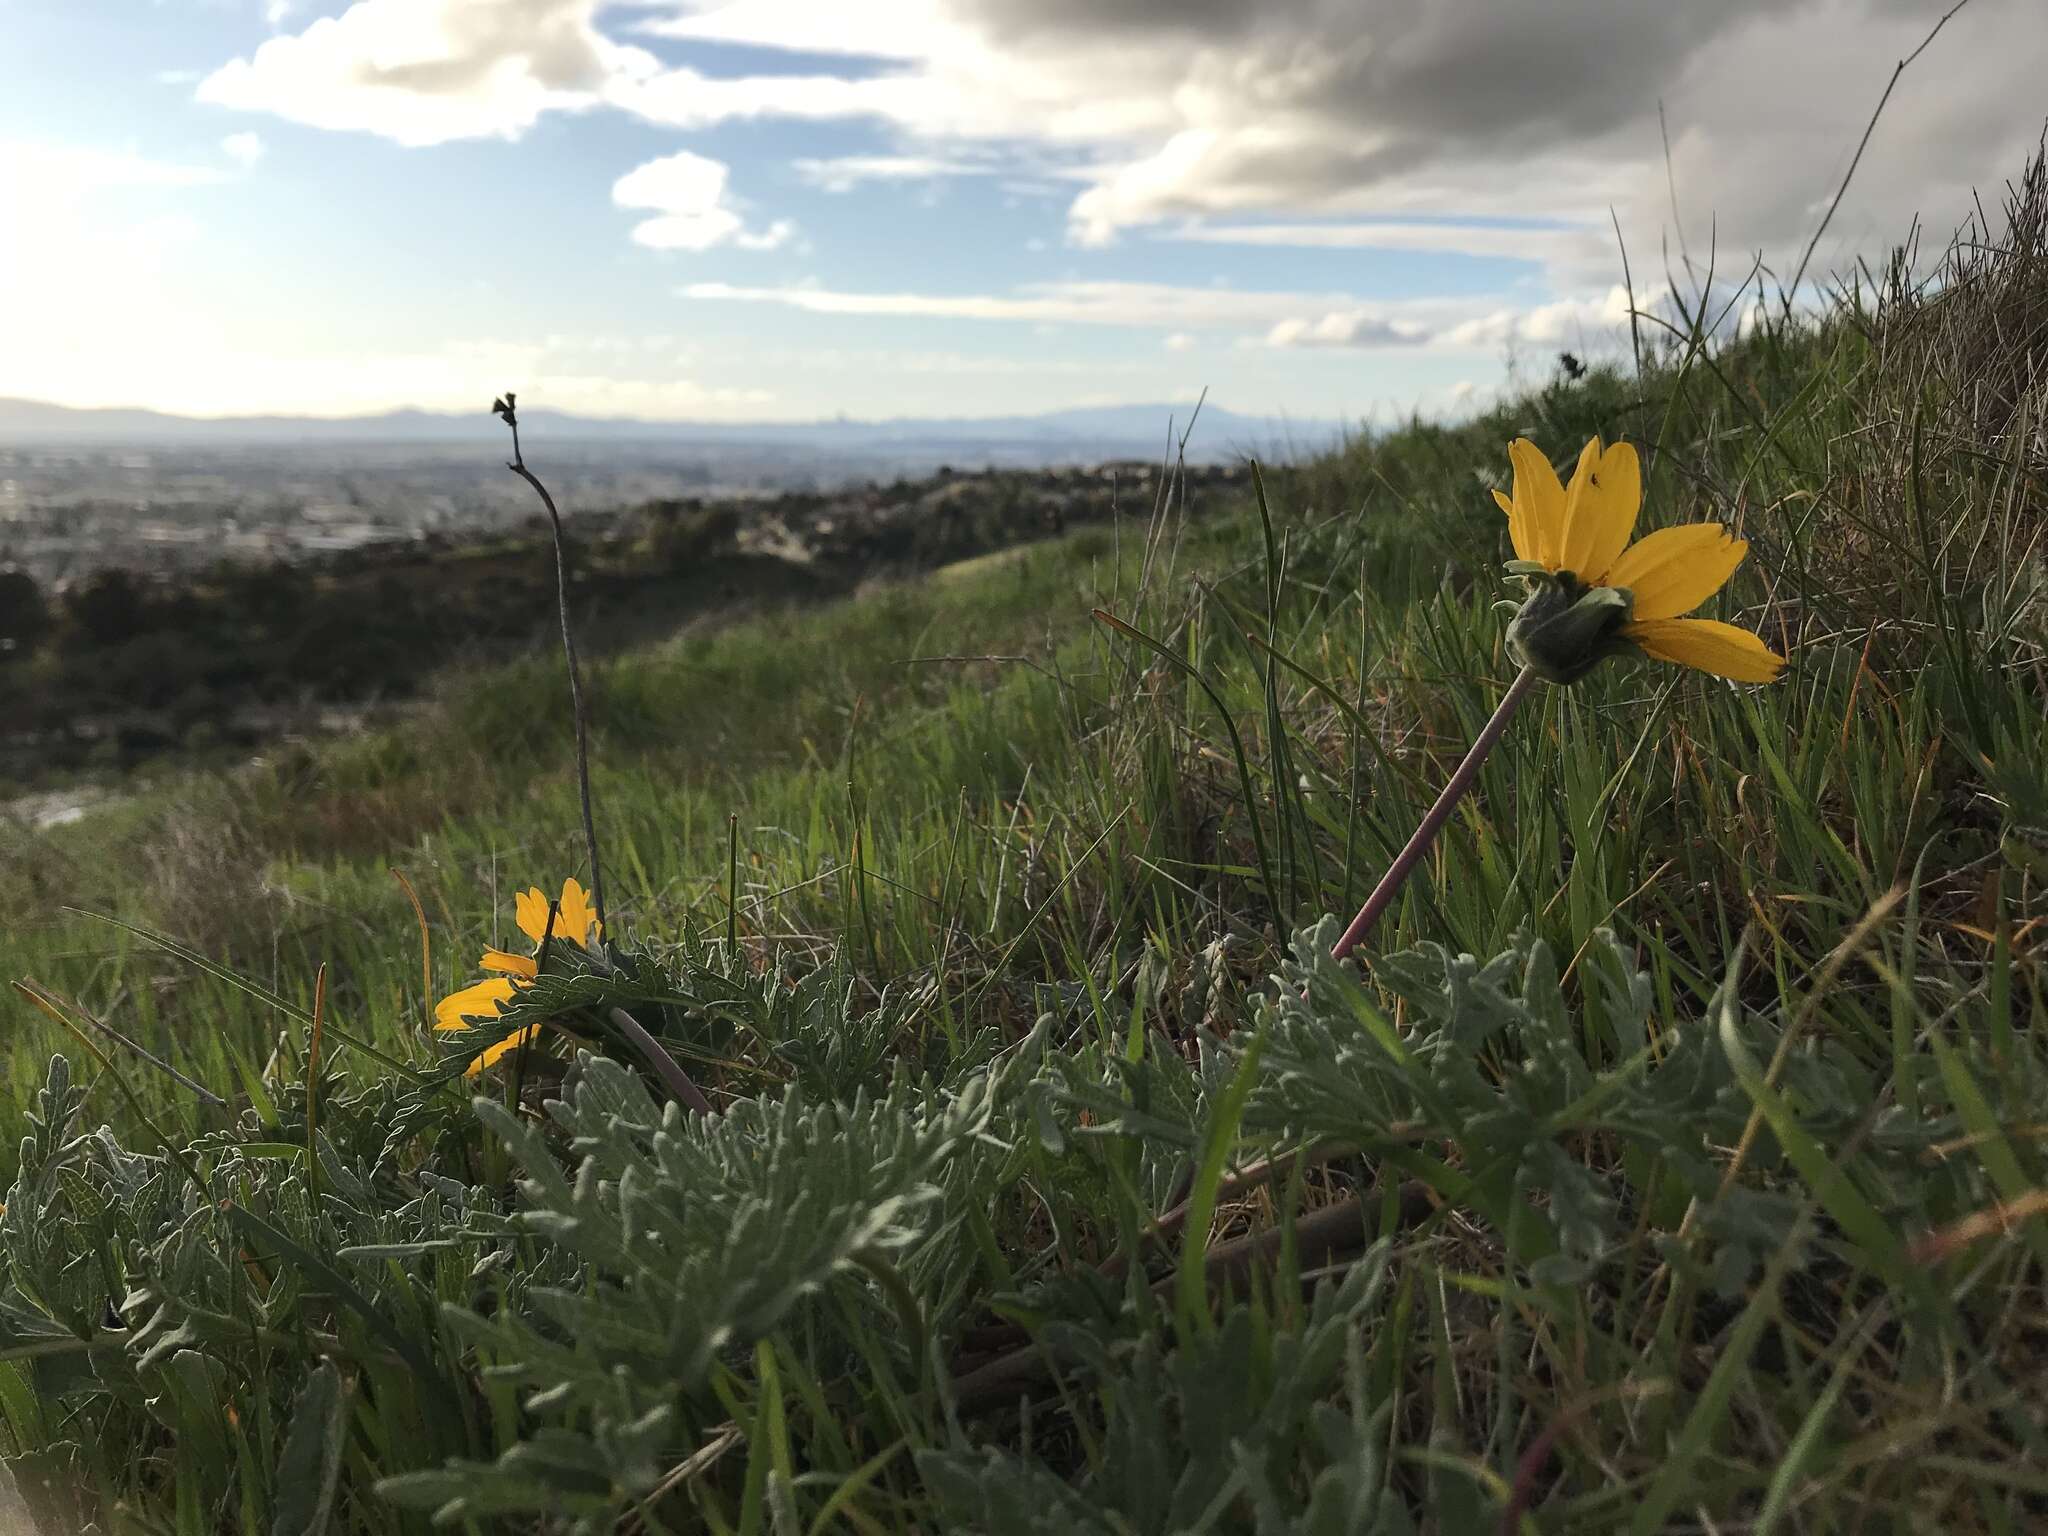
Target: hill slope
{"points": [[1674, 1149]]}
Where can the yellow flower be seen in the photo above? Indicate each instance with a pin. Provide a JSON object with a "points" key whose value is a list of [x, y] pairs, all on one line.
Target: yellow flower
{"points": [[484, 1000], [1576, 542], [575, 922]]}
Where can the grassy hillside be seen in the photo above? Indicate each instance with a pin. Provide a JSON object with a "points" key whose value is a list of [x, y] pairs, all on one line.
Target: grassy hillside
{"points": [[1673, 1161]]}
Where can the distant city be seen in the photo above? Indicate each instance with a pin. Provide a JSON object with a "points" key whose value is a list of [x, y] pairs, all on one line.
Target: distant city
{"points": [[67, 510], [84, 490]]}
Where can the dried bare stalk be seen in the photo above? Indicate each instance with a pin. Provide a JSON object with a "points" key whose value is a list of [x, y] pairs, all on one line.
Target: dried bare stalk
{"points": [[1857, 158], [507, 408], [665, 1066]]}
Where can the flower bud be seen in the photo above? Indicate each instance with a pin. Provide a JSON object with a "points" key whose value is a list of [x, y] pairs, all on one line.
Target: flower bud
{"points": [[1565, 628]]}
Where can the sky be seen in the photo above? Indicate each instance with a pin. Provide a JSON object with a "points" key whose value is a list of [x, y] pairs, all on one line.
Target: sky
{"points": [[799, 209]]}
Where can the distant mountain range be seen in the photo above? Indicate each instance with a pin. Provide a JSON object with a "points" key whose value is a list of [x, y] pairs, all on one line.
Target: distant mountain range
{"points": [[1115, 431]]}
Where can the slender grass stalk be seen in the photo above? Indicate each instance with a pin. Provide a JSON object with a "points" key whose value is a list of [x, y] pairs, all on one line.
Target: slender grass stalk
{"points": [[732, 884], [1405, 861], [199, 1090], [35, 995], [426, 939], [313, 1091], [1187, 669]]}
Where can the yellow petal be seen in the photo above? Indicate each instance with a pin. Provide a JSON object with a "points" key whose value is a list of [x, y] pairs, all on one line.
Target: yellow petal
{"points": [[1708, 645], [1569, 555], [1674, 570], [531, 911], [1516, 537], [1601, 513], [578, 918], [509, 965], [504, 1047], [482, 1001], [1537, 528]]}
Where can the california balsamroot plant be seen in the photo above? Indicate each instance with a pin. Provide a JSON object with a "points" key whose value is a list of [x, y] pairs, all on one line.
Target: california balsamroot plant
{"points": [[1591, 595]]}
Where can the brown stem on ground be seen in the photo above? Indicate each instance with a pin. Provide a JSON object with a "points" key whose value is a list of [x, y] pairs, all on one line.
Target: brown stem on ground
{"points": [[707, 1455], [1233, 1185]]}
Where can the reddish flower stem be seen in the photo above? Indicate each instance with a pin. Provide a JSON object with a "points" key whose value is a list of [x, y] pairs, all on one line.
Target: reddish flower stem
{"points": [[673, 1077], [1389, 887]]}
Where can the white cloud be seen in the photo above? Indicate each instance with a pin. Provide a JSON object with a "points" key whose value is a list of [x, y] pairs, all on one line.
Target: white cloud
{"points": [[1347, 328], [896, 362], [245, 149], [1267, 318], [1279, 319], [685, 99], [1552, 324], [1152, 306], [1580, 320], [890, 29], [1549, 244], [688, 192], [427, 71], [846, 172]]}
